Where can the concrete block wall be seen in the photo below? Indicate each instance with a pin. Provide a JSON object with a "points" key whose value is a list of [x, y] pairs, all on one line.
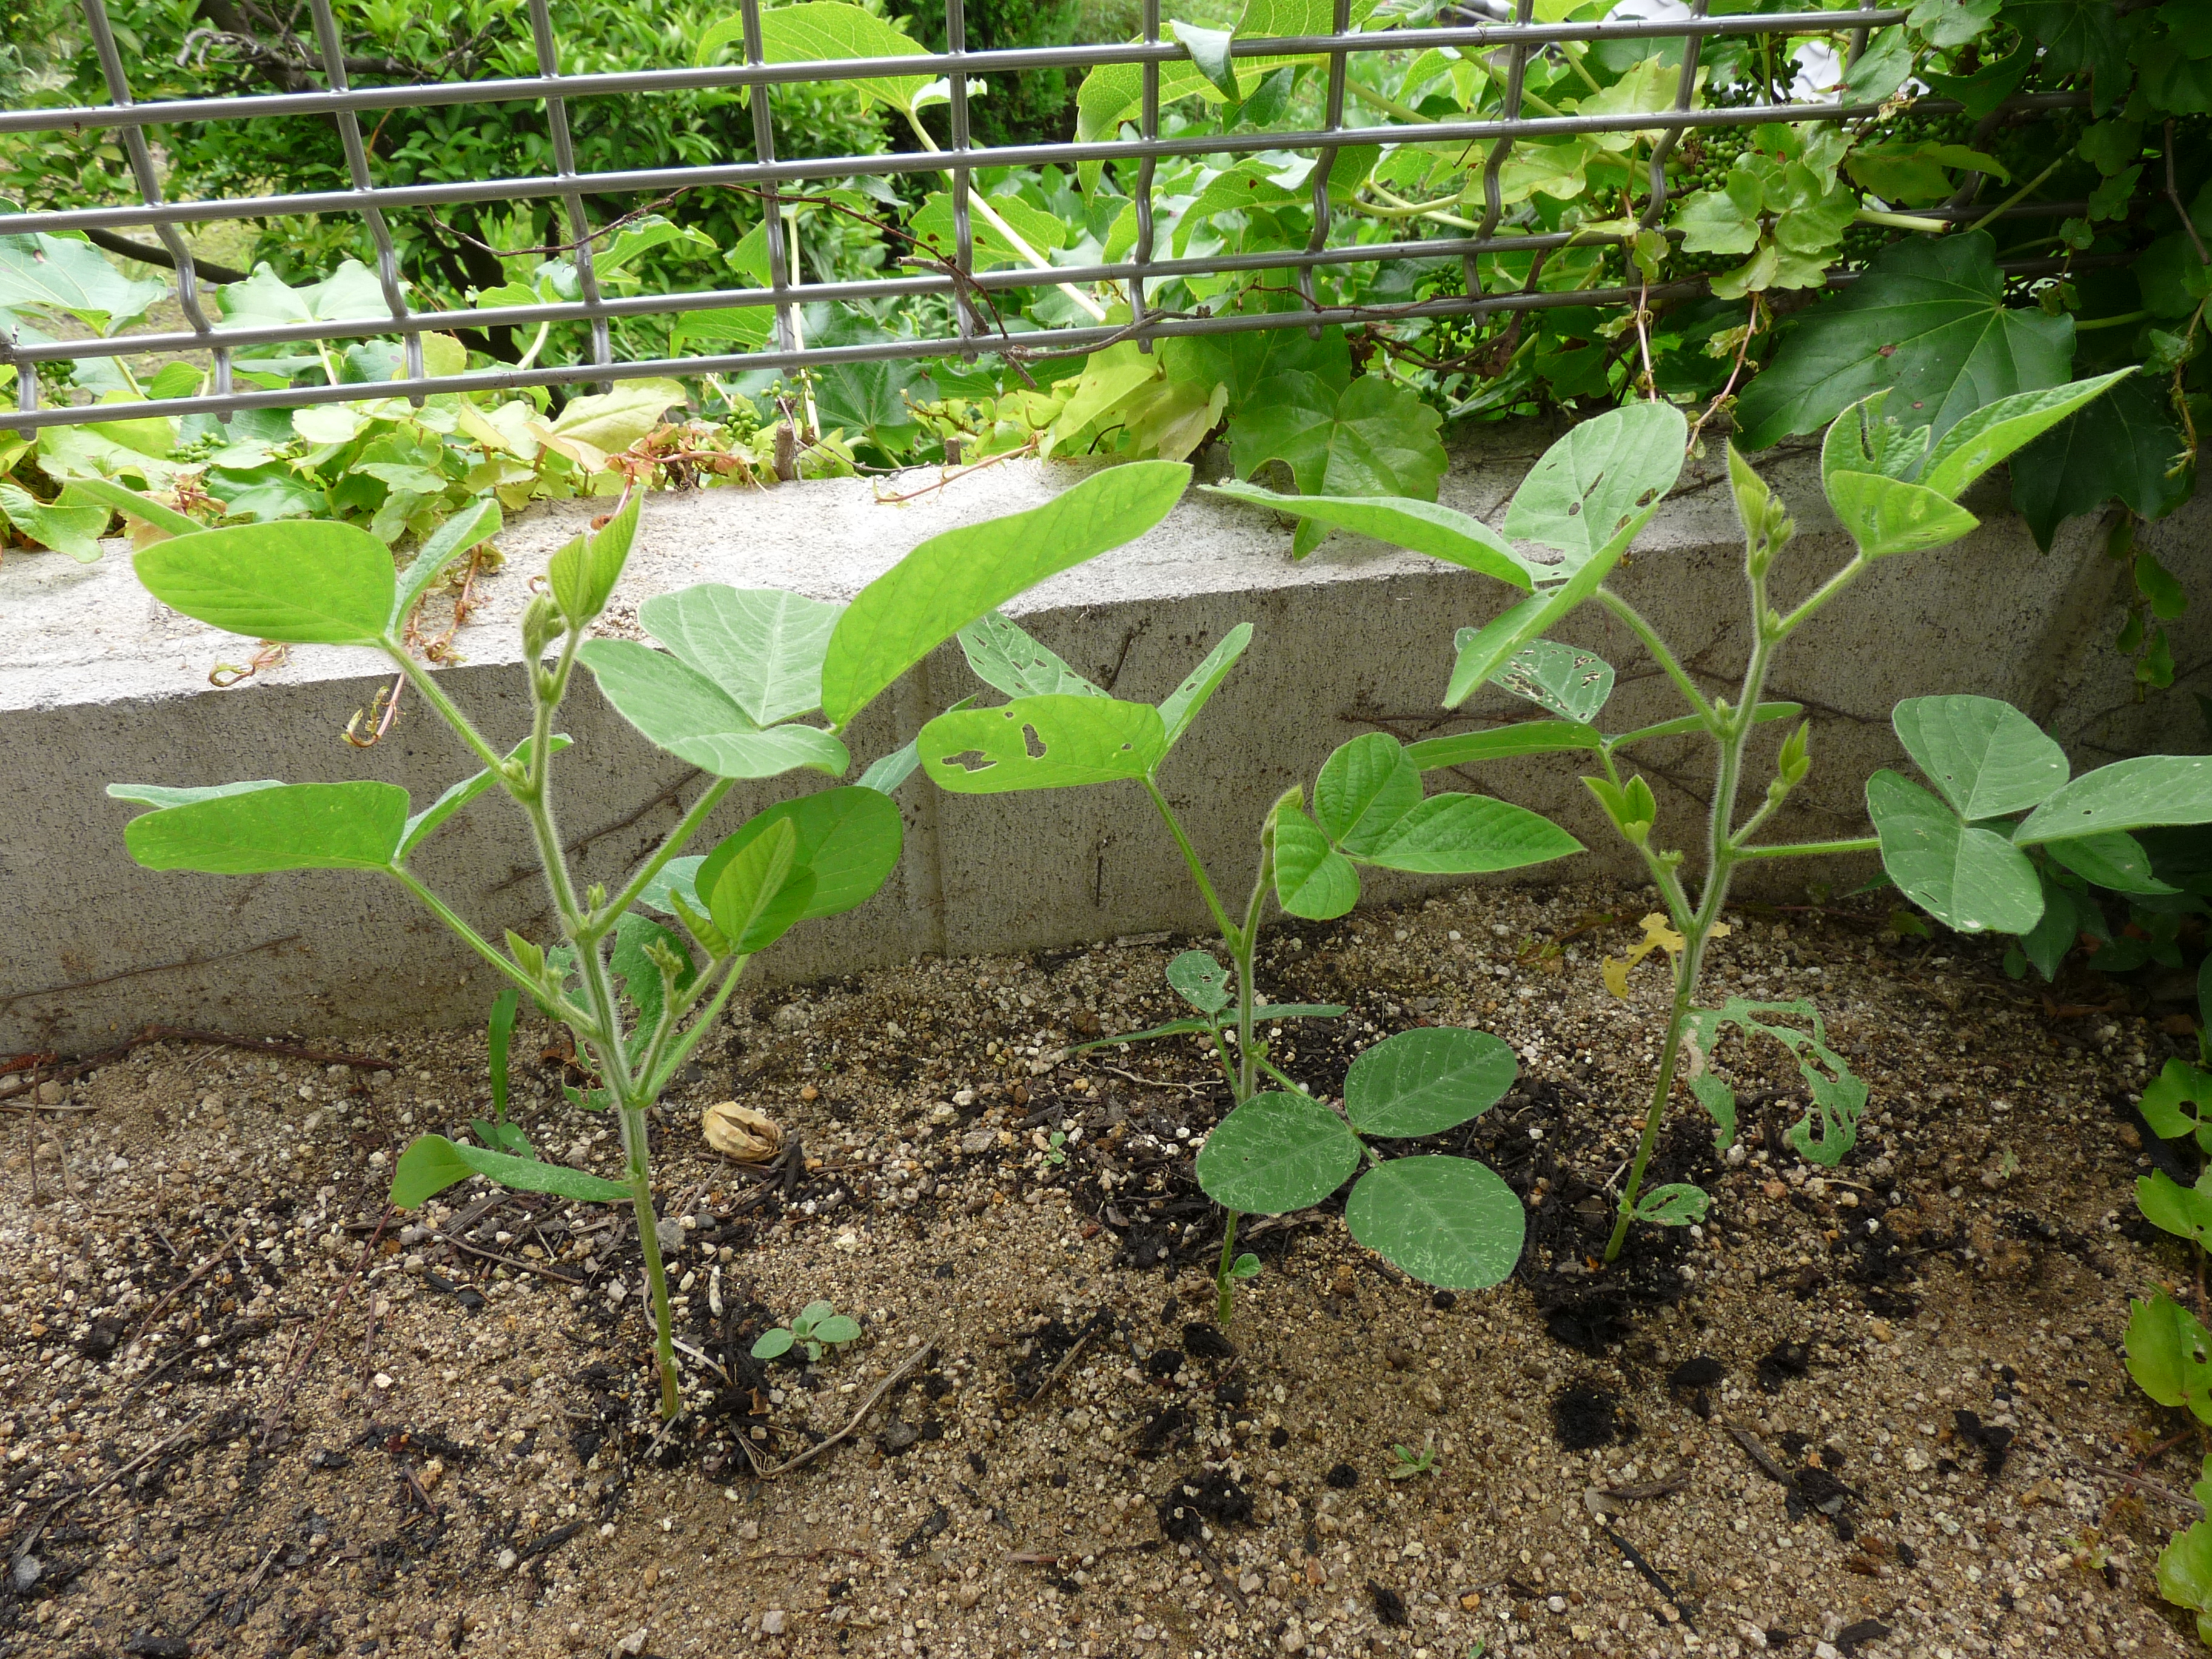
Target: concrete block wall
{"points": [[98, 683]]}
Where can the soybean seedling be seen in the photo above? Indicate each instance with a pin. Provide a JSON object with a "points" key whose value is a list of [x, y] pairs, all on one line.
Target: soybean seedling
{"points": [[731, 694], [817, 1326], [1448, 1221], [1405, 1465], [1987, 850]]}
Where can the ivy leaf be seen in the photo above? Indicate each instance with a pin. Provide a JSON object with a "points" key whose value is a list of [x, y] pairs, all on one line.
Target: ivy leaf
{"points": [[1375, 439], [61, 274], [1950, 23], [1987, 86], [1881, 68], [1915, 174], [1927, 318], [1724, 221], [2075, 35], [2124, 447]]}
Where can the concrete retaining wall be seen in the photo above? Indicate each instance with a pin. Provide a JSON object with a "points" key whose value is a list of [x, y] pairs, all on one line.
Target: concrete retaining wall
{"points": [[98, 683]]}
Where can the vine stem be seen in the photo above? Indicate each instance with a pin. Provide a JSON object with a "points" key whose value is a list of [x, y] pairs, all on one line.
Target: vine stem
{"points": [[1014, 238]]}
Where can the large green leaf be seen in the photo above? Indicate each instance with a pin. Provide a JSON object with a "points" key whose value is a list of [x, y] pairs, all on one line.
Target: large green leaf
{"points": [[1375, 438], [957, 575], [1563, 679], [1313, 880], [1363, 788], [2114, 859], [2142, 794], [817, 29], [1885, 517], [1181, 705], [1450, 1222], [2185, 1570], [762, 890], [849, 836], [681, 710], [1484, 651], [1404, 521], [1505, 743], [293, 826], [313, 583], [433, 1164], [262, 300], [1989, 434], [2127, 448], [1042, 742], [762, 646], [2169, 1355], [73, 278], [1968, 878], [1987, 757], [1424, 1081], [1598, 482], [1005, 656], [1467, 836], [1275, 1153], [1929, 319]]}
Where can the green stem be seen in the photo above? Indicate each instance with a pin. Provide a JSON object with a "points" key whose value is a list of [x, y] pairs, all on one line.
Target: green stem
{"points": [[1902, 221], [1665, 658], [1390, 106], [671, 844], [563, 1008], [657, 1079], [648, 1238], [1782, 628], [1190, 859], [1810, 849], [1686, 978], [981, 205], [2020, 195], [1224, 1286], [2120, 321], [426, 685], [1244, 949]]}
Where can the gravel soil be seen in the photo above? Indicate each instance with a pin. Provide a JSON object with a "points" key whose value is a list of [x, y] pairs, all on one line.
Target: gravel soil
{"points": [[1877, 1410]]}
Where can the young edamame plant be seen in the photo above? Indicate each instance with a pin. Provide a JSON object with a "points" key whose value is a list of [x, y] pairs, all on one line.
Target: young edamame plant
{"points": [[2006, 842], [730, 694], [1448, 1221]]}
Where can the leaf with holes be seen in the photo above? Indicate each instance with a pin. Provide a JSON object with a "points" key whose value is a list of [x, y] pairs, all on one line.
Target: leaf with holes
{"points": [[1594, 484], [1886, 518], [1181, 705], [1564, 678], [1987, 757], [1200, 980], [1829, 1128], [1450, 1222], [1276, 1153], [2184, 1212], [2170, 1354], [1005, 656], [1042, 742], [1424, 1081], [1676, 1205]]}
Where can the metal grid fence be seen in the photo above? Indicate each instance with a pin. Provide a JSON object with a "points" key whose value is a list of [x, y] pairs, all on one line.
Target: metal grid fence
{"points": [[769, 175]]}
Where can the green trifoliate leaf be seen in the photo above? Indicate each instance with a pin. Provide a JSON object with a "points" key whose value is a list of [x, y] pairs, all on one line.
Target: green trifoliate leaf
{"points": [[2114, 859], [293, 826], [1593, 487], [1420, 527], [1313, 880], [1003, 656], [1993, 432], [314, 583], [2142, 794], [1424, 1081], [1927, 318], [1987, 757], [1363, 789], [850, 837], [1677, 1205], [761, 646], [1466, 835], [433, 1164], [1181, 705], [1275, 1153], [1885, 517], [1042, 742], [1200, 980], [681, 710], [1564, 678], [1968, 878], [959, 574], [1446, 1221]]}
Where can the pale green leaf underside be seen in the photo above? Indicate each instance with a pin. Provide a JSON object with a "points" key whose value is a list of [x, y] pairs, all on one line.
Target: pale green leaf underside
{"points": [[1970, 880], [1182, 705], [158, 794], [1450, 1222], [761, 646], [1505, 743], [1404, 521], [1005, 656], [1200, 979], [1568, 681], [1885, 517], [681, 710], [1593, 484], [2130, 794]]}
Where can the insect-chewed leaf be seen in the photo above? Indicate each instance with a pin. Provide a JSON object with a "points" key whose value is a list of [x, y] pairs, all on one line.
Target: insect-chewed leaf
{"points": [[1450, 1222], [1676, 1205], [1966, 877], [761, 646], [955, 576], [1200, 980], [849, 836], [1829, 1128], [1563, 679], [1042, 742], [1181, 705], [1004, 656], [433, 1164], [2142, 793], [1986, 757], [1468, 834], [1884, 516], [291, 826], [1275, 1153], [1424, 1081], [1313, 880], [1594, 483], [681, 710], [297, 582], [1363, 788], [2178, 1101], [1483, 651]]}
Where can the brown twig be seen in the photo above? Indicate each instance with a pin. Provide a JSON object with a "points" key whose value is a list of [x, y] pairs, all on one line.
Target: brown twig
{"points": [[1074, 1353], [1757, 1453], [859, 1417], [2149, 1488], [192, 1278], [300, 1369], [481, 1253], [1674, 1483], [66, 1499]]}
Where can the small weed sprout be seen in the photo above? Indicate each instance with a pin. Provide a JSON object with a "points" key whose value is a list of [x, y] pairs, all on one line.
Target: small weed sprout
{"points": [[1405, 1465], [818, 1327]]}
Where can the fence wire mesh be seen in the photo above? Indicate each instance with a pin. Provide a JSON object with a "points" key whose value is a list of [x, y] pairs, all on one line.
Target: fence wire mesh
{"points": [[1134, 152]]}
